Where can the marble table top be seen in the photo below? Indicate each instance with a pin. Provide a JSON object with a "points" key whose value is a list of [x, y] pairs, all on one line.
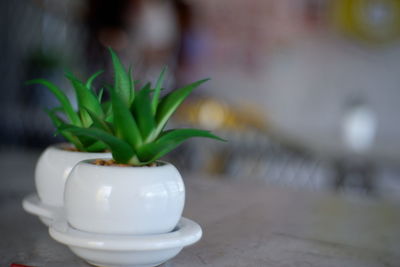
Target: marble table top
{"points": [[244, 224]]}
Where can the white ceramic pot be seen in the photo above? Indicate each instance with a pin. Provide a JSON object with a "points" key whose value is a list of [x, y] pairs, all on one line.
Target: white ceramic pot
{"points": [[124, 200], [52, 170]]}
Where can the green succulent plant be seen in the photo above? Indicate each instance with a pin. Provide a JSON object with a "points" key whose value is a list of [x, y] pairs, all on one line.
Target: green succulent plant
{"points": [[88, 103], [136, 134]]}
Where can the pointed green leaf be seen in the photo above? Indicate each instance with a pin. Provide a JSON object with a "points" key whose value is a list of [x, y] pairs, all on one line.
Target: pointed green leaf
{"points": [[100, 95], [86, 100], [171, 102], [141, 109], [122, 152], [122, 81], [53, 116], [89, 82], [124, 123], [107, 108], [98, 122], [73, 140], [186, 133], [157, 90], [168, 141], [62, 98], [58, 122], [96, 147], [85, 141], [131, 85], [85, 118]]}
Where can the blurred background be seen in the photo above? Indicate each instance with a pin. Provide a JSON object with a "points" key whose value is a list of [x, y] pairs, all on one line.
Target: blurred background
{"points": [[307, 92]]}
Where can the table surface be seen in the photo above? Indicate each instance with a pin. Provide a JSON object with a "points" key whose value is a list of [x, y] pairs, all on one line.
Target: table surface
{"points": [[244, 224]]}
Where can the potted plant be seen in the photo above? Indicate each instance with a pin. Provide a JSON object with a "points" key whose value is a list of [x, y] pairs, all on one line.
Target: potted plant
{"points": [[57, 161], [134, 193], [127, 210]]}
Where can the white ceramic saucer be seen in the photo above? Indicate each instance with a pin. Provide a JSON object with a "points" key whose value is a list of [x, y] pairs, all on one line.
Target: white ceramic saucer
{"points": [[46, 213], [126, 250]]}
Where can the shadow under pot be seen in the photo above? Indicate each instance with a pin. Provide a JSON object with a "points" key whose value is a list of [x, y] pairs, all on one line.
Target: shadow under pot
{"points": [[124, 199], [52, 170]]}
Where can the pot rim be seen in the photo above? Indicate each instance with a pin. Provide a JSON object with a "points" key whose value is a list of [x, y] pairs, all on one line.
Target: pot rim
{"points": [[61, 147], [89, 162]]}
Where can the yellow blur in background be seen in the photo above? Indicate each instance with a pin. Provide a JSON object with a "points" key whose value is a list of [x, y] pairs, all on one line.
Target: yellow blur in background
{"points": [[373, 20]]}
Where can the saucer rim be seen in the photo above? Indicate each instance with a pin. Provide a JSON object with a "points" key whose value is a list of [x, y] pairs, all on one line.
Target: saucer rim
{"points": [[189, 232], [32, 204]]}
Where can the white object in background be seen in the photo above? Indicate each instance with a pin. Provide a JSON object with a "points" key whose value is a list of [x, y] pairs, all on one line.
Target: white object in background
{"points": [[157, 27], [124, 200], [359, 128]]}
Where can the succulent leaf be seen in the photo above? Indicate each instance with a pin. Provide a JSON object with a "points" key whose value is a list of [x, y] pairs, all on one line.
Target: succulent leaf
{"points": [[54, 118], [86, 97], [157, 90], [141, 110], [107, 108], [87, 100], [58, 122], [99, 122], [62, 98], [96, 146], [131, 85], [124, 123], [169, 140], [171, 102], [100, 95], [122, 81], [121, 150], [92, 78]]}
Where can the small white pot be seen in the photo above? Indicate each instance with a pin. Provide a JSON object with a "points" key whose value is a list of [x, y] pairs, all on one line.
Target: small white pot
{"points": [[52, 170], [124, 200]]}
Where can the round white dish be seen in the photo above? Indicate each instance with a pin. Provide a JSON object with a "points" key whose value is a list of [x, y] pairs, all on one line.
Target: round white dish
{"points": [[32, 204], [113, 250]]}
